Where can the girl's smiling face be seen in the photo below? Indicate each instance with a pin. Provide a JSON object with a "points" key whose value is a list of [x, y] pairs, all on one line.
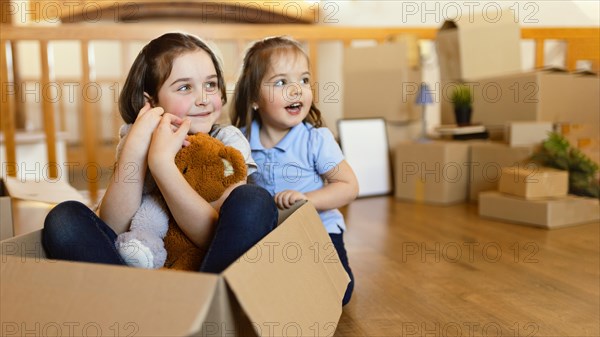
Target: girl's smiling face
{"points": [[192, 91], [285, 92]]}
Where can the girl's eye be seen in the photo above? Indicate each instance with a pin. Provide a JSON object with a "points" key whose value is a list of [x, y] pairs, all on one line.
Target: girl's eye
{"points": [[211, 86], [305, 80], [184, 87], [279, 83]]}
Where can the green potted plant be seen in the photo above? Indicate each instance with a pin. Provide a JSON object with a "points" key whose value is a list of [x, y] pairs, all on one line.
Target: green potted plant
{"points": [[462, 100], [556, 152]]}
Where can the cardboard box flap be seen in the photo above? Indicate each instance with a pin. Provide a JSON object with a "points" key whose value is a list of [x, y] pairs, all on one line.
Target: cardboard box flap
{"points": [[309, 303], [6, 218], [285, 213], [553, 69], [448, 24], [448, 55], [78, 298], [478, 19], [29, 245], [52, 192], [584, 73], [225, 317]]}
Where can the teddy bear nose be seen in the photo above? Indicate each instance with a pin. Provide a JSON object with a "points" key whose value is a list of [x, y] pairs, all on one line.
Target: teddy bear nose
{"points": [[228, 167]]}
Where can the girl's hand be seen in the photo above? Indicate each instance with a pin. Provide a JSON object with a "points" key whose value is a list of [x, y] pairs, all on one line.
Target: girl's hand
{"points": [[167, 139], [285, 199], [141, 131]]}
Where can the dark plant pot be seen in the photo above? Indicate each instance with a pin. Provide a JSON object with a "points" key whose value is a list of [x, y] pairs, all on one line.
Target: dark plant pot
{"points": [[462, 114]]}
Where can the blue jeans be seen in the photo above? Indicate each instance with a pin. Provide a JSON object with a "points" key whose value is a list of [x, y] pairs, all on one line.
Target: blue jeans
{"points": [[338, 243], [247, 216], [73, 232]]}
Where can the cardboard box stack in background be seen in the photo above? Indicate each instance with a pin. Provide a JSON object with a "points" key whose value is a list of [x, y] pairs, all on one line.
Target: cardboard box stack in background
{"points": [[518, 108], [548, 96], [383, 81], [537, 196], [435, 172], [486, 55], [266, 285], [544, 96], [474, 47], [487, 159], [548, 213], [532, 181]]}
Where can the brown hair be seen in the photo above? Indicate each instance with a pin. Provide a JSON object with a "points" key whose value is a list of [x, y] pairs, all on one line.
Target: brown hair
{"points": [[256, 64], [152, 67]]}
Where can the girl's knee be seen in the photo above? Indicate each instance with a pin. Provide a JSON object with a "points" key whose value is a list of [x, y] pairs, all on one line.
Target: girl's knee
{"points": [[66, 210], [249, 190], [62, 222], [252, 197], [249, 207]]}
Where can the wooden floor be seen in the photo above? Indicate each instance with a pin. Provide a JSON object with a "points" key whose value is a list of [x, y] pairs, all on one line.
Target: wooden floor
{"points": [[444, 271]]}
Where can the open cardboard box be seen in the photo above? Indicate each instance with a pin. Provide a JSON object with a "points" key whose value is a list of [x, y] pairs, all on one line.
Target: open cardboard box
{"points": [[25, 203], [291, 282], [6, 222]]}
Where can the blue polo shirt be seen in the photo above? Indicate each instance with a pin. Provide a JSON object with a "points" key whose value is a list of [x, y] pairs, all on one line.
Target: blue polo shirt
{"points": [[297, 163]]}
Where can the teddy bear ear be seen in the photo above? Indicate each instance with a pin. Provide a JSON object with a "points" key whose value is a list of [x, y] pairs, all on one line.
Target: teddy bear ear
{"points": [[237, 162], [228, 169]]}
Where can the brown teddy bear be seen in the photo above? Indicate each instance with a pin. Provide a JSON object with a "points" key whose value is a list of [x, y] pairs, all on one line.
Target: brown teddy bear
{"points": [[154, 240], [209, 167]]}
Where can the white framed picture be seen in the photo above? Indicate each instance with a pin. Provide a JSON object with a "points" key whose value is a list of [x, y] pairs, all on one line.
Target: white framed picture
{"points": [[365, 146]]}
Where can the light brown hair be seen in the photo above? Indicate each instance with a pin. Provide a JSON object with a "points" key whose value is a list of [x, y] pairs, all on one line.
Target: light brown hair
{"points": [[256, 64]]}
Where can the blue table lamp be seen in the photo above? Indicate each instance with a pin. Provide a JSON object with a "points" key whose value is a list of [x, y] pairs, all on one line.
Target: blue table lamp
{"points": [[424, 98]]}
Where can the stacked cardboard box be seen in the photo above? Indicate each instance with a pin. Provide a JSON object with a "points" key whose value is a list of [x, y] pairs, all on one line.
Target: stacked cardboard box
{"points": [[487, 159], [446, 172], [534, 182], [383, 81], [435, 172], [475, 47], [537, 196], [486, 56], [546, 96], [546, 213], [549, 96]]}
